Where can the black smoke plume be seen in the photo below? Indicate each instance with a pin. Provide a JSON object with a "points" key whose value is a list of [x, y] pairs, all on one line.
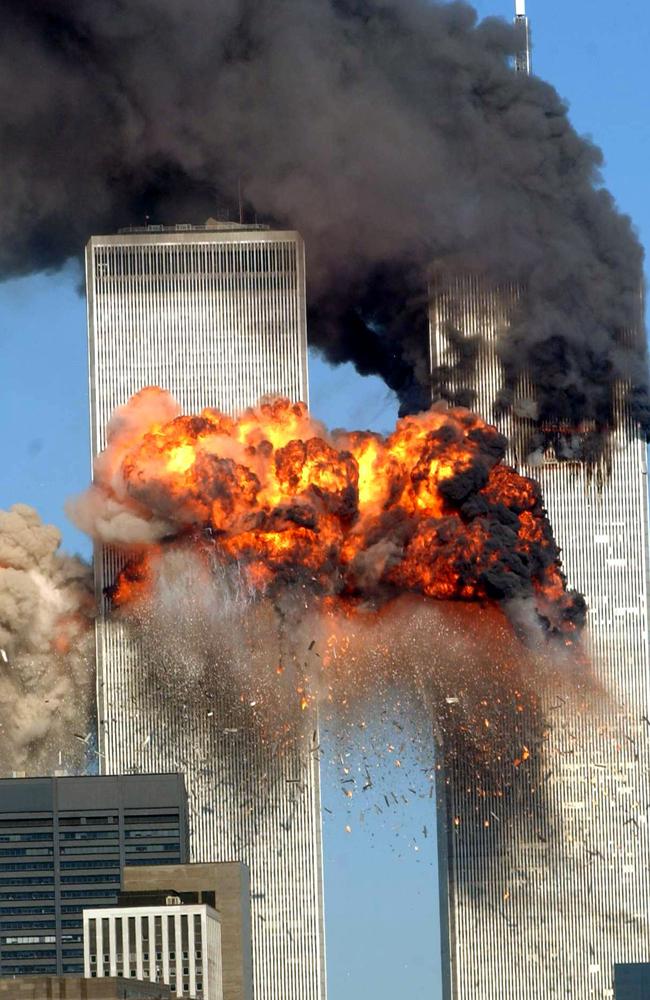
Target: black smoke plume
{"points": [[391, 133]]}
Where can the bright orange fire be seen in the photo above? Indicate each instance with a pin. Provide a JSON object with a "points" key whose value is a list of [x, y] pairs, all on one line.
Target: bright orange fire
{"points": [[430, 509]]}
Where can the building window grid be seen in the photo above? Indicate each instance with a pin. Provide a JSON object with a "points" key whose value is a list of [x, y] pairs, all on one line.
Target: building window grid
{"points": [[626, 651], [281, 358]]}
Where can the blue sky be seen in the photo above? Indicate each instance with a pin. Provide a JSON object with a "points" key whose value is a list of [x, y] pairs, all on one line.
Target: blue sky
{"points": [[381, 894]]}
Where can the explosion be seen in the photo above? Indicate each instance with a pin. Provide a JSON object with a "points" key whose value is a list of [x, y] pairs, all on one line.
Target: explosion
{"points": [[262, 554], [429, 510]]}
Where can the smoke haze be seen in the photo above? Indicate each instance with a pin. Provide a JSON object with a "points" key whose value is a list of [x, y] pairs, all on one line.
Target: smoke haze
{"points": [[209, 641], [46, 648], [391, 133]]}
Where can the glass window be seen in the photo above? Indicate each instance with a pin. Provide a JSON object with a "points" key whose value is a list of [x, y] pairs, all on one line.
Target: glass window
{"points": [[22, 852], [6, 838], [31, 970], [47, 953], [89, 835], [41, 894], [140, 848], [83, 879], [103, 848], [7, 910], [20, 881], [131, 820], [158, 831], [32, 866], [19, 823], [77, 820], [87, 863]]}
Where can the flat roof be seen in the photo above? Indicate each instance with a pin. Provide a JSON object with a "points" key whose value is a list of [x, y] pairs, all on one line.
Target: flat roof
{"points": [[92, 791]]}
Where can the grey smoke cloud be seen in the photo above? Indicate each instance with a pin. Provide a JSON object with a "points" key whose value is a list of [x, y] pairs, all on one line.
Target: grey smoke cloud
{"points": [[46, 648], [390, 132]]}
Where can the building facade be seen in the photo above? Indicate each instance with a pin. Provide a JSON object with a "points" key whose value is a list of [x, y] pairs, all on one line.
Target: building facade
{"points": [[224, 886], [63, 844], [545, 889], [215, 315], [80, 988], [176, 944]]}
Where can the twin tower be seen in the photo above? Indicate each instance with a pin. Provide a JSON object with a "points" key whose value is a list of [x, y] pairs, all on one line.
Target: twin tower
{"points": [[535, 903]]}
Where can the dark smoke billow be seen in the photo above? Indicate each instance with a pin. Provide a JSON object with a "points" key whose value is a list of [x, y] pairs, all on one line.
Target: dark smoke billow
{"points": [[390, 132]]}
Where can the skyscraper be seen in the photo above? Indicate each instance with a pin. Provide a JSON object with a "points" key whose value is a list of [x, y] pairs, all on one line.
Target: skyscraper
{"points": [[63, 844], [522, 58], [216, 315], [544, 889]]}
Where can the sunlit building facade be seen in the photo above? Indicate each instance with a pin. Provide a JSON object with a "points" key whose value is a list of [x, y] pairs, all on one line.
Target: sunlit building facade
{"points": [[175, 943], [544, 889], [215, 315]]}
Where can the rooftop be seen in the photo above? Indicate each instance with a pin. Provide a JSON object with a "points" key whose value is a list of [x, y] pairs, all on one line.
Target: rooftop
{"points": [[209, 226]]}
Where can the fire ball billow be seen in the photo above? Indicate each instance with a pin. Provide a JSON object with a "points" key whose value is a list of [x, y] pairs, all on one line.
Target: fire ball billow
{"points": [[279, 565]]}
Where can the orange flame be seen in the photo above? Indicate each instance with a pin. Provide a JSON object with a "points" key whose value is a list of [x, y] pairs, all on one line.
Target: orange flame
{"points": [[430, 509]]}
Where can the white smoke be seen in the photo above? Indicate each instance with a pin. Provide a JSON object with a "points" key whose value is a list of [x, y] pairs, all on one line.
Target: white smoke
{"points": [[46, 648]]}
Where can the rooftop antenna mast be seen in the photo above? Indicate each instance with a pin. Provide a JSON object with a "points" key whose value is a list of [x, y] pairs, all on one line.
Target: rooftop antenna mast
{"points": [[523, 62]]}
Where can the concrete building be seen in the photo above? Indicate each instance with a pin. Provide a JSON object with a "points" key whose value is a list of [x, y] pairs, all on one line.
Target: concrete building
{"points": [[63, 845], [545, 888], [216, 315], [79, 988], [175, 943], [225, 886]]}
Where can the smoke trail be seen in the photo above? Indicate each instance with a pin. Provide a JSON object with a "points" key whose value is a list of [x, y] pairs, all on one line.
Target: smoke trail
{"points": [[390, 132], [46, 648]]}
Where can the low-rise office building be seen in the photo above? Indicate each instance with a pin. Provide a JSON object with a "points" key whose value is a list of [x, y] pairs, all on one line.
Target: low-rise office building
{"points": [[224, 886], [63, 844], [78, 988], [165, 941]]}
